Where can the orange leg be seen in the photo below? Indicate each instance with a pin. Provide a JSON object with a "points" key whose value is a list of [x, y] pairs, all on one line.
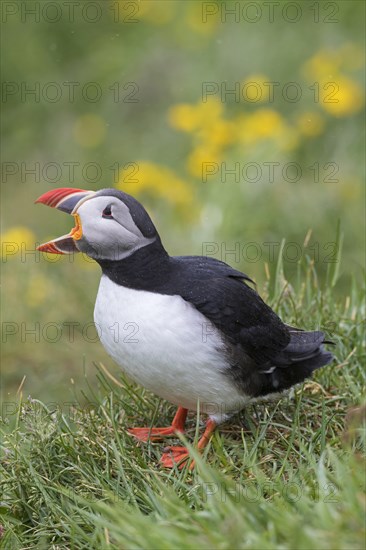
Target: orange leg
{"points": [[178, 455], [155, 434]]}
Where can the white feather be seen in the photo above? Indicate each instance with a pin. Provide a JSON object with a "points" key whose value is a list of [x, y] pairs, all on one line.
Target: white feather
{"points": [[166, 345]]}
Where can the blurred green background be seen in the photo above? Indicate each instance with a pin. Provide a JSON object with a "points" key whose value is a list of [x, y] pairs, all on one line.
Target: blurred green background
{"points": [[102, 94]]}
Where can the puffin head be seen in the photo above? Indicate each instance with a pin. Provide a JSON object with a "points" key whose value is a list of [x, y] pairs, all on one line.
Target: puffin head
{"points": [[109, 224]]}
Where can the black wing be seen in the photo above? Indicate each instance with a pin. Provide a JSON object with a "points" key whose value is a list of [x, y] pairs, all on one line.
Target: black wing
{"points": [[220, 293], [279, 356]]}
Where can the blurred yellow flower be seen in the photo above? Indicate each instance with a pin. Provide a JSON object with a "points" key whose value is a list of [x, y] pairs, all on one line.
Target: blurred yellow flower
{"points": [[310, 124], [254, 89], [338, 94], [189, 117], [326, 64], [263, 123], [183, 117], [16, 239], [212, 132], [160, 180], [199, 158], [89, 130], [37, 291], [341, 98], [218, 133], [322, 64], [267, 122], [197, 20]]}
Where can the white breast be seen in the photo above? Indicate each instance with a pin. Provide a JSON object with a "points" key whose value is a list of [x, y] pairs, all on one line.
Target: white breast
{"points": [[166, 345]]}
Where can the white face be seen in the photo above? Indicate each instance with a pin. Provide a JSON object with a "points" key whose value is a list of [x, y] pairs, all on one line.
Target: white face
{"points": [[108, 230]]}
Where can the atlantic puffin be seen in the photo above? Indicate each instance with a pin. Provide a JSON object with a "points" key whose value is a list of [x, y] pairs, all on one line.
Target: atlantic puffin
{"points": [[202, 336]]}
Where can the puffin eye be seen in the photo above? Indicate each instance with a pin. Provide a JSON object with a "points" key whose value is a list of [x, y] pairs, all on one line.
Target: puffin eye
{"points": [[107, 212]]}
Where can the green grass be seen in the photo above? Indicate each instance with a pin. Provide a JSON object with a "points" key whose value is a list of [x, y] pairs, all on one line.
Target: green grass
{"points": [[286, 474]]}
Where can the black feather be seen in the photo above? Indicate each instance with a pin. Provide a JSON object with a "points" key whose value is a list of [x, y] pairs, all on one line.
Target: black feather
{"points": [[265, 355]]}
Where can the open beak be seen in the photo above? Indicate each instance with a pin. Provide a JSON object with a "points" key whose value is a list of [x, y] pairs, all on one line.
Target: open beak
{"points": [[68, 200]]}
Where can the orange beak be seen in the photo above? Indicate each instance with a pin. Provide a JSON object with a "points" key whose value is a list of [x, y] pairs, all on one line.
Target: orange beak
{"points": [[77, 231], [68, 200]]}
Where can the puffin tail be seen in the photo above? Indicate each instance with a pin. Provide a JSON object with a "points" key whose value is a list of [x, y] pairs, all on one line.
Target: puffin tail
{"points": [[304, 354]]}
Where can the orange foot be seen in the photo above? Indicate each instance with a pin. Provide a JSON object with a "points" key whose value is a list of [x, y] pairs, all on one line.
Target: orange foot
{"points": [[152, 434], [174, 456], [177, 456], [155, 434]]}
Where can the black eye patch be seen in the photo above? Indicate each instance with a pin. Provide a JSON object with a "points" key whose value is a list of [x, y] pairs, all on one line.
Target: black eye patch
{"points": [[107, 212]]}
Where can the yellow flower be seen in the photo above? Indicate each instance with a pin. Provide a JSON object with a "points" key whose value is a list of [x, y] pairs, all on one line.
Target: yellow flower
{"points": [[339, 95], [323, 65], [157, 179], [183, 117], [198, 20], [310, 124], [262, 124], [218, 133], [200, 157], [188, 117], [342, 97], [268, 122], [209, 110], [326, 64], [212, 132], [16, 239], [254, 89]]}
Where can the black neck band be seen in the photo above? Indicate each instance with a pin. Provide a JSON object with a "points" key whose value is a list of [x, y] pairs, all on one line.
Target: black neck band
{"points": [[146, 269]]}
